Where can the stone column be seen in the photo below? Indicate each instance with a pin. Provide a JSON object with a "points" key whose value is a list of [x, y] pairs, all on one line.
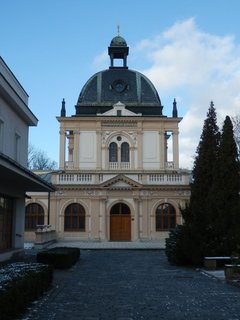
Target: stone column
{"points": [[103, 220], [132, 158], [139, 151], [62, 149], [59, 213], [76, 149], [136, 220], [70, 137], [162, 149], [119, 157], [99, 150], [105, 157], [89, 219], [175, 149]]}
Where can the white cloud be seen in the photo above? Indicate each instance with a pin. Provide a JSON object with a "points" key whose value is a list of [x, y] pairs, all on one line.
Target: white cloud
{"points": [[195, 66], [101, 61], [198, 67]]}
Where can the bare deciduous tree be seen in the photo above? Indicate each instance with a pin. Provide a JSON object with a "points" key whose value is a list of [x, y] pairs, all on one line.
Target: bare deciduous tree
{"points": [[38, 159], [236, 130]]}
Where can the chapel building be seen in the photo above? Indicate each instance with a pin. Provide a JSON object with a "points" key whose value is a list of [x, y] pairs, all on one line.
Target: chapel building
{"points": [[15, 179], [119, 177]]}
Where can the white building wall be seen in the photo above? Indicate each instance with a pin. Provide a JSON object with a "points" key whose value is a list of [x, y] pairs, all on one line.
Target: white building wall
{"points": [[14, 83], [88, 148], [150, 150], [13, 126]]}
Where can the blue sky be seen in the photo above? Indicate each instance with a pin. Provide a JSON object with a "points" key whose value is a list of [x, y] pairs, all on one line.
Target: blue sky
{"points": [[190, 49]]}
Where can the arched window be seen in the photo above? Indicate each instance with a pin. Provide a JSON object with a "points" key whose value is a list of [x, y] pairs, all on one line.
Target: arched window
{"points": [[120, 208], [124, 152], [165, 217], [74, 218], [113, 152], [34, 215]]}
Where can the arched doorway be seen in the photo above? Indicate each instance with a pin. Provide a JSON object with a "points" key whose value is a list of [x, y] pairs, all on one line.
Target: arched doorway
{"points": [[120, 222]]}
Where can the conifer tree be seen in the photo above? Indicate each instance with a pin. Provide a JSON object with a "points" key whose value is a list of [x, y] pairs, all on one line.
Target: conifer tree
{"points": [[212, 218], [223, 200], [195, 215]]}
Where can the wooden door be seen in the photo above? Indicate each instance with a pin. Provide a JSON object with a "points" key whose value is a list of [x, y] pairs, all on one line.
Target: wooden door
{"points": [[120, 223], [6, 213]]}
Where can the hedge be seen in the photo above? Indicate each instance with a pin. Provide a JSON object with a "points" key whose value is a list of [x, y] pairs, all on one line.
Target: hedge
{"points": [[20, 284], [59, 257]]}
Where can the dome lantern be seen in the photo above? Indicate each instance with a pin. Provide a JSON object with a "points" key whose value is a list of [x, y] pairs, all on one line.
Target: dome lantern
{"points": [[118, 49]]}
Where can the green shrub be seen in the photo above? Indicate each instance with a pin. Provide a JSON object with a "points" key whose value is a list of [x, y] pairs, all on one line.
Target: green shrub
{"points": [[59, 258], [175, 250], [21, 283]]}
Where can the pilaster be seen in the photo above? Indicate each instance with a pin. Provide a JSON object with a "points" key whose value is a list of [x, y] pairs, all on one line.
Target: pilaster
{"points": [[76, 149], [175, 135], [162, 149], [136, 225], [139, 150], [99, 150], [62, 149], [132, 157], [103, 220]]}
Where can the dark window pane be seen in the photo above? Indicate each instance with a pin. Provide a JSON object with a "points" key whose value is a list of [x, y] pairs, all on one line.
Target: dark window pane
{"points": [[124, 152], [115, 209], [82, 223], [120, 208], [74, 219], [34, 215], [165, 217], [113, 152], [125, 209], [74, 222]]}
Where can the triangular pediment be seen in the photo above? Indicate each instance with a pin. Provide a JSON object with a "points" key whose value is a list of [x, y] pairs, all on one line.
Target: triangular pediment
{"points": [[121, 182], [119, 108]]}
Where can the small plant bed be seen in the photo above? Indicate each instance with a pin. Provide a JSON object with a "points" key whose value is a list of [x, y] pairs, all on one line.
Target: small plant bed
{"points": [[20, 284], [217, 262], [59, 257], [232, 272]]}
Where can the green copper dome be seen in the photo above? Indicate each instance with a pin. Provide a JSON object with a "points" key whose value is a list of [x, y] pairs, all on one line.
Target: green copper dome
{"points": [[118, 42], [110, 86], [118, 83]]}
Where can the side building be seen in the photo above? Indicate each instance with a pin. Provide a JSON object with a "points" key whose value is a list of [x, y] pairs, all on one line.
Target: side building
{"points": [[119, 176], [15, 178]]}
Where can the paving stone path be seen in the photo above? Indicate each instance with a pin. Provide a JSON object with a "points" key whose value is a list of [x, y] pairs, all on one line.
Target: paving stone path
{"points": [[132, 284]]}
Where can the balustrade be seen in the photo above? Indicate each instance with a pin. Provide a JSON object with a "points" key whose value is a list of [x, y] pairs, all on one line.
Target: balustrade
{"points": [[70, 178], [119, 165], [154, 178]]}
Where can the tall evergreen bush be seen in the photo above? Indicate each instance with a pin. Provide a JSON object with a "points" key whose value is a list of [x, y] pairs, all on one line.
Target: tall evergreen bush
{"points": [[212, 218], [196, 218], [223, 199]]}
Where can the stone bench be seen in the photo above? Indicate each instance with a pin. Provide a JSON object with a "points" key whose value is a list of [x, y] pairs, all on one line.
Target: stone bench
{"points": [[44, 236], [217, 262]]}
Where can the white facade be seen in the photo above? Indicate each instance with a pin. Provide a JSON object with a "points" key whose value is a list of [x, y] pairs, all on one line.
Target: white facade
{"points": [[88, 178], [119, 176], [15, 179]]}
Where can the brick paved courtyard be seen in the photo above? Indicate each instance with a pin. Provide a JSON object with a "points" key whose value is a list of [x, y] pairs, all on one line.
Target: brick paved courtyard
{"points": [[133, 284]]}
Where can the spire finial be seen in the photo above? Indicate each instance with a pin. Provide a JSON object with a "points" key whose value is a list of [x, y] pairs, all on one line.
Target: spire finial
{"points": [[118, 30], [174, 112], [63, 109]]}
